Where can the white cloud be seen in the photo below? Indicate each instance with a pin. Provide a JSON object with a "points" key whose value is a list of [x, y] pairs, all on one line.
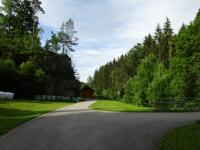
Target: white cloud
{"points": [[109, 28], [142, 19], [89, 59]]}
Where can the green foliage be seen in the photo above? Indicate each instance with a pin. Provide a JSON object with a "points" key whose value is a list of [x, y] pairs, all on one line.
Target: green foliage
{"points": [[195, 73], [39, 73], [114, 75], [164, 67], [188, 41], [109, 94], [24, 64], [129, 92], [178, 77], [64, 40], [136, 89], [158, 88], [53, 43], [7, 66], [28, 67]]}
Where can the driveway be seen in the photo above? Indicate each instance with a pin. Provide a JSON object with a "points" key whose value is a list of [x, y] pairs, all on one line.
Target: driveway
{"points": [[78, 128]]}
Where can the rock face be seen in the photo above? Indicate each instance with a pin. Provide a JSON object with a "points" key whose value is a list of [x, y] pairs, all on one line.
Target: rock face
{"points": [[59, 78], [61, 75]]}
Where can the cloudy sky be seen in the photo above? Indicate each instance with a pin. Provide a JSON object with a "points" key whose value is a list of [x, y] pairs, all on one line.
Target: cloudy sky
{"points": [[109, 28]]}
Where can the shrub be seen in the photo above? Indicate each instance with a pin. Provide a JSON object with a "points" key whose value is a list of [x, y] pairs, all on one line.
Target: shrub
{"points": [[136, 88], [28, 67], [7, 66], [158, 88], [39, 73]]}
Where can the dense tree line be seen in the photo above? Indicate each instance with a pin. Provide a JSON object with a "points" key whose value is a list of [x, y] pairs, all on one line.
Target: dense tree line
{"points": [[26, 68], [166, 65]]}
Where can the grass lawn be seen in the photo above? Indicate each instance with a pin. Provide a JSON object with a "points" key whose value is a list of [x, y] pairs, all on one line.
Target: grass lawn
{"points": [[15, 112], [182, 138], [119, 106]]}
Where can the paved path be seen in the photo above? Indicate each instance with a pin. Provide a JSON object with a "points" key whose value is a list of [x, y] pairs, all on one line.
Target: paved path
{"points": [[78, 128], [78, 107]]}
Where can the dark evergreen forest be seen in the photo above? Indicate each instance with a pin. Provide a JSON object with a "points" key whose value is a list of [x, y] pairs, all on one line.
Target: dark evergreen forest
{"points": [[26, 68]]}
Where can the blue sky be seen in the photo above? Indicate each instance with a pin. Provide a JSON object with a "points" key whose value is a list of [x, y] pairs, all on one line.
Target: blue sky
{"points": [[109, 28]]}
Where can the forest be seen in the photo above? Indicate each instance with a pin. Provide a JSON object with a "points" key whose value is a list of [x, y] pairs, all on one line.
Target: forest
{"points": [[26, 67], [165, 66]]}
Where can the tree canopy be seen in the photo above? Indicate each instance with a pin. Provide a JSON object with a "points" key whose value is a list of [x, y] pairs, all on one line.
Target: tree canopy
{"points": [[165, 65], [26, 68]]}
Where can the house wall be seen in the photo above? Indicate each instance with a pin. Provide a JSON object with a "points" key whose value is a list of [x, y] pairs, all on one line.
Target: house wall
{"points": [[87, 94]]}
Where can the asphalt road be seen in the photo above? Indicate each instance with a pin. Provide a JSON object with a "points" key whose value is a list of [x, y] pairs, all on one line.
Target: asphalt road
{"points": [[77, 128]]}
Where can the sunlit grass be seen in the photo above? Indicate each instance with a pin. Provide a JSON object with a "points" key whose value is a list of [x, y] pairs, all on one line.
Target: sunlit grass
{"points": [[106, 105], [15, 112]]}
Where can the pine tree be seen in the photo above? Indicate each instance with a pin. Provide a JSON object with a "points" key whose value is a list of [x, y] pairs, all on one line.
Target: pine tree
{"points": [[149, 45], [36, 6], [159, 40], [53, 43], [8, 11], [198, 14], [168, 43], [67, 37]]}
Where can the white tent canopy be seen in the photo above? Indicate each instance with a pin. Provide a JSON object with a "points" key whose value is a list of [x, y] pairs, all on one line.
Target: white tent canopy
{"points": [[6, 95]]}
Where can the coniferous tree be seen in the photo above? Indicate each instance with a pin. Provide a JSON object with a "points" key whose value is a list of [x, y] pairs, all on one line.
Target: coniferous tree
{"points": [[168, 42], [159, 41], [173, 73], [36, 7], [30, 66], [67, 37]]}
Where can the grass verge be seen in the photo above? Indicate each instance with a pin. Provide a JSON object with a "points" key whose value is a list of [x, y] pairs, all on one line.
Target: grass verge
{"points": [[15, 112], [106, 105], [182, 138]]}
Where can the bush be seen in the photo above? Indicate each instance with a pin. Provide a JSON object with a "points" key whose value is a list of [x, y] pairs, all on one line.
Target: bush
{"points": [[158, 88], [39, 73], [7, 66], [28, 67], [136, 88], [109, 94], [129, 92], [178, 79]]}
